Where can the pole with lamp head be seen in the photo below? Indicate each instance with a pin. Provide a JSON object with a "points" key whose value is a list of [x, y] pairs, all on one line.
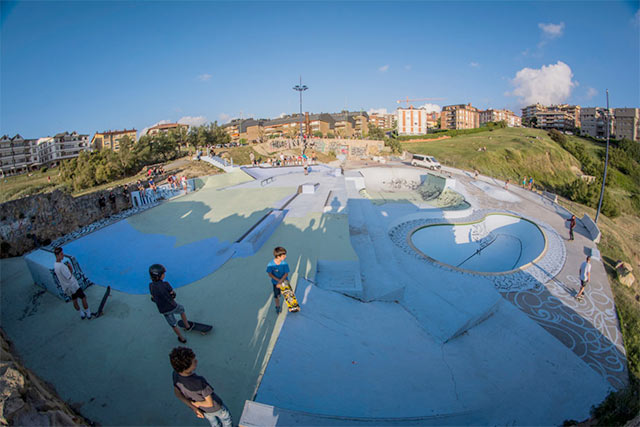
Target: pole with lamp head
{"points": [[606, 161], [301, 88]]}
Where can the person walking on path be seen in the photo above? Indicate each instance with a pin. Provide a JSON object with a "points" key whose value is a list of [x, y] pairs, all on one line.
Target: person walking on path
{"points": [[194, 390], [69, 284], [585, 276], [278, 271], [530, 183], [506, 184], [572, 225], [524, 182], [164, 296], [475, 174]]}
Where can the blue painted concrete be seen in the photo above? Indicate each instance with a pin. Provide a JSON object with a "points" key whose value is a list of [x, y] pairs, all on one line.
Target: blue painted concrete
{"points": [[119, 256]]}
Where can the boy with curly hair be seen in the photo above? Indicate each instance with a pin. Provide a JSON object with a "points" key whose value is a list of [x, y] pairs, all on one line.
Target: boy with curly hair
{"points": [[194, 390]]}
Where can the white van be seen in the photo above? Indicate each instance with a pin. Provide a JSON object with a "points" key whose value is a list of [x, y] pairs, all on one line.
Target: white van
{"points": [[425, 161]]}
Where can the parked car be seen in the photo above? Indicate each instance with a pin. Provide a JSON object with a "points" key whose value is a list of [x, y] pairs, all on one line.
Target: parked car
{"points": [[425, 161]]}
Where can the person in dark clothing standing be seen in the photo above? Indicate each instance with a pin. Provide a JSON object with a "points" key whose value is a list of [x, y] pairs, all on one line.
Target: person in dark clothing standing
{"points": [[572, 225], [164, 296], [194, 390]]}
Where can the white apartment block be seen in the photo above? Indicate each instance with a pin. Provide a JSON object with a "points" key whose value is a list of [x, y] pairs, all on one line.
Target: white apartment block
{"points": [[411, 121], [17, 155], [62, 146]]}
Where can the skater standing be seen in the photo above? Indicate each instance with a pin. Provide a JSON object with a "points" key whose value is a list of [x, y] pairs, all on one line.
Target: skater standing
{"points": [[164, 296], [585, 276], [69, 284], [572, 225], [278, 271], [194, 390]]}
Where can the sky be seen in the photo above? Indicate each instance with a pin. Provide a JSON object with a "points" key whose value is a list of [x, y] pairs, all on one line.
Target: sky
{"points": [[92, 66]]}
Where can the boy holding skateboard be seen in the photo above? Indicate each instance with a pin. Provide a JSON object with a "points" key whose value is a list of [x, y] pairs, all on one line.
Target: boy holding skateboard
{"points": [[278, 271], [194, 391], [69, 284], [163, 295]]}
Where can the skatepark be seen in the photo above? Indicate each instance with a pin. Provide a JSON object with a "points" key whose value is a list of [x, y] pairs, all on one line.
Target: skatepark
{"points": [[426, 298]]}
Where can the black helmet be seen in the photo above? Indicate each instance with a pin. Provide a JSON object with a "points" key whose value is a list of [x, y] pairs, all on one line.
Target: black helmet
{"points": [[156, 271]]}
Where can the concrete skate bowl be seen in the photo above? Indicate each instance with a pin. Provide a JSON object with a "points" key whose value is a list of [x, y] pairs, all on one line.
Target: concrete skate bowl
{"points": [[496, 244], [412, 184]]}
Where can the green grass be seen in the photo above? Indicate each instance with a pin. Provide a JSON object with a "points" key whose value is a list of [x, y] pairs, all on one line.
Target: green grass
{"points": [[17, 186], [512, 153]]}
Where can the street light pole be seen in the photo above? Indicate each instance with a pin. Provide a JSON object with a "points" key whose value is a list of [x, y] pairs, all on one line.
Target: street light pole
{"points": [[606, 161], [300, 88]]}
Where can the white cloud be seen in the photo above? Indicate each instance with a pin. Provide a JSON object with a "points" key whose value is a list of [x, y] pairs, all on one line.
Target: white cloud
{"points": [[384, 68], [474, 64], [591, 92], [204, 77], [282, 115], [378, 111], [552, 30], [432, 108], [224, 118], [550, 84], [193, 121], [161, 122]]}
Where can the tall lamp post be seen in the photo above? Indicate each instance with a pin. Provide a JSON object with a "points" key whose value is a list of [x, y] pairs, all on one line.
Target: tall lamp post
{"points": [[301, 88], [606, 161]]}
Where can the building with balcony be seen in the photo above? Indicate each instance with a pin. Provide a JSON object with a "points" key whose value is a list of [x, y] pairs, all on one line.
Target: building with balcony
{"points": [[562, 117], [166, 127], [62, 146], [459, 116], [626, 123], [111, 139], [507, 116], [18, 155], [594, 122]]}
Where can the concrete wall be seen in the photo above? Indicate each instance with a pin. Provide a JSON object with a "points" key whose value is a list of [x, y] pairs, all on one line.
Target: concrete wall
{"points": [[34, 221]]}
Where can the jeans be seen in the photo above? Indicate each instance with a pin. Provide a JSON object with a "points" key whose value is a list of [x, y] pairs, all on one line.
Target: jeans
{"points": [[219, 418]]}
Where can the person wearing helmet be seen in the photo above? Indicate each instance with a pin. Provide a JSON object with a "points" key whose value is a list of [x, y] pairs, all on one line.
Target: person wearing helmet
{"points": [[164, 296]]}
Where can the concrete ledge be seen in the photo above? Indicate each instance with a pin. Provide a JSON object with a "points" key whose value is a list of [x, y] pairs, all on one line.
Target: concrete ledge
{"points": [[310, 187], [258, 414], [592, 227], [251, 242]]}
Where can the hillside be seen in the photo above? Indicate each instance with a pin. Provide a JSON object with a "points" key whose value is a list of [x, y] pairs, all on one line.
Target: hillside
{"points": [[511, 153]]}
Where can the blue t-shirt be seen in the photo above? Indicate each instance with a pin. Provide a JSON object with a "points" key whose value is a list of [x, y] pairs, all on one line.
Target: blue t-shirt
{"points": [[277, 270]]}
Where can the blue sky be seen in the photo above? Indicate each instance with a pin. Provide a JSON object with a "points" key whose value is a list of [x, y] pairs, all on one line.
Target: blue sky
{"points": [[91, 66]]}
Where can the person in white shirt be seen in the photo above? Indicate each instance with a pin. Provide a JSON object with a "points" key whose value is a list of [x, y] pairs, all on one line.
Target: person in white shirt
{"points": [[69, 284], [585, 276]]}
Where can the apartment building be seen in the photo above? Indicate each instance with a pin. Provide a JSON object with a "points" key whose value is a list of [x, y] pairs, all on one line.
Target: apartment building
{"points": [[18, 155], [594, 122], [411, 121], [319, 123], [344, 125], [111, 139], [563, 117], [459, 116], [507, 116], [626, 123], [165, 128], [62, 146]]}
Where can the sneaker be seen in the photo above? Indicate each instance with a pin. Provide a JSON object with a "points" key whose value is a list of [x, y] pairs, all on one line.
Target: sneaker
{"points": [[191, 325], [88, 316], [82, 315], [278, 309]]}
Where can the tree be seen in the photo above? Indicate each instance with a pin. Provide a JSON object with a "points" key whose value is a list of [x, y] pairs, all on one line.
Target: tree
{"points": [[375, 132]]}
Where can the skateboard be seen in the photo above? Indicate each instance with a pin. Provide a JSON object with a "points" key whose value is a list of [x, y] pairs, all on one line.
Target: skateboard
{"points": [[103, 302], [289, 297], [200, 327]]}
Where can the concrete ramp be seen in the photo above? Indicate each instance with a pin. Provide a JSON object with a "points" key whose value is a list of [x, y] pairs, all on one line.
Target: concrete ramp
{"points": [[396, 179], [260, 415], [255, 237]]}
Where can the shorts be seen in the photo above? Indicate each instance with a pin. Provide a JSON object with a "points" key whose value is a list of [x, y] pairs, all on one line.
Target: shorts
{"points": [[78, 294], [170, 316], [583, 283], [276, 292]]}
